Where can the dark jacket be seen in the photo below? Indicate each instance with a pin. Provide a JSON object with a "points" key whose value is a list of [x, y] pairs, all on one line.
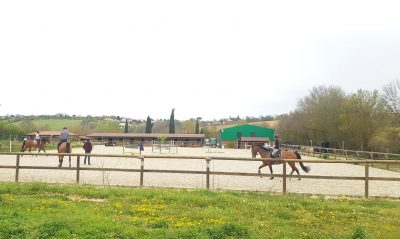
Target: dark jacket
{"points": [[277, 143], [88, 147]]}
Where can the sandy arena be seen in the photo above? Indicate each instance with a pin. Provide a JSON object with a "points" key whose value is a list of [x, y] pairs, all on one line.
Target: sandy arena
{"points": [[304, 186]]}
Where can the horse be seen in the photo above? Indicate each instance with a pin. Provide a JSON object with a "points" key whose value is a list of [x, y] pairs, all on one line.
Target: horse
{"points": [[31, 143], [63, 149], [266, 153]]}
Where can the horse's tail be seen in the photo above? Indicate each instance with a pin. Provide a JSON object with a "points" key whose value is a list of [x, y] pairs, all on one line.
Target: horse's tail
{"points": [[23, 145], [305, 168]]}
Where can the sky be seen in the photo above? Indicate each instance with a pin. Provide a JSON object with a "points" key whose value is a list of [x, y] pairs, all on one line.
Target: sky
{"points": [[209, 59]]}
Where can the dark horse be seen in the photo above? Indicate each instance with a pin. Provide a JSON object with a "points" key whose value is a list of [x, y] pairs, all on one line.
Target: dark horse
{"points": [[266, 153], [64, 148], [31, 143]]}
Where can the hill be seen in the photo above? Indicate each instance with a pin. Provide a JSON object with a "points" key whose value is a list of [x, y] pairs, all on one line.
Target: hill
{"points": [[52, 124]]}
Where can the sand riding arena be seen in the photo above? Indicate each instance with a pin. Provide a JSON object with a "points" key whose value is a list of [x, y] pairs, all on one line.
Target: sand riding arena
{"points": [[152, 178]]}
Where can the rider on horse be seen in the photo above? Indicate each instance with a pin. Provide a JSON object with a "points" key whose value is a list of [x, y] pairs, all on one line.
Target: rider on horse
{"points": [[37, 138], [63, 138], [276, 153]]}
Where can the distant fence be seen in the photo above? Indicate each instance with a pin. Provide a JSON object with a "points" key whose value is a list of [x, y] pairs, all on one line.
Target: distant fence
{"points": [[332, 153], [366, 178]]}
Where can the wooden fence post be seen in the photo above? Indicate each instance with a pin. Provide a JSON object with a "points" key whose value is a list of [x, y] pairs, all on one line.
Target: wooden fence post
{"points": [[366, 179], [284, 178], [77, 168], [17, 168], [208, 173], [141, 170]]}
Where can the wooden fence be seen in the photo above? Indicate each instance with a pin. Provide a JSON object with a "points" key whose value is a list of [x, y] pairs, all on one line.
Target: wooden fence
{"points": [[207, 172]]}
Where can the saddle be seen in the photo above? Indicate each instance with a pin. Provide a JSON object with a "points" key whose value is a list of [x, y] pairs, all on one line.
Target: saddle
{"points": [[277, 154]]}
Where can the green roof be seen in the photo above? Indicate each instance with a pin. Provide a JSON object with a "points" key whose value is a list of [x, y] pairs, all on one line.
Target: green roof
{"points": [[247, 130]]}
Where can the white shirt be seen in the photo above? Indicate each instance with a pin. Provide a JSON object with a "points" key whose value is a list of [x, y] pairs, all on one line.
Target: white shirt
{"points": [[37, 136]]}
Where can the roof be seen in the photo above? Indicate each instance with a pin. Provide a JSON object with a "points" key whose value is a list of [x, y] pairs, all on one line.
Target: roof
{"points": [[255, 139], [146, 135], [246, 130], [50, 133]]}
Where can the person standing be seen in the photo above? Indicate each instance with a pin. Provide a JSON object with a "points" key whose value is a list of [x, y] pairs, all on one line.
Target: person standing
{"points": [[141, 148], [87, 146], [63, 138]]}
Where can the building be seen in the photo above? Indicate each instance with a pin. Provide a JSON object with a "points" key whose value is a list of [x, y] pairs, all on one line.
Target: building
{"points": [[242, 135], [182, 140]]}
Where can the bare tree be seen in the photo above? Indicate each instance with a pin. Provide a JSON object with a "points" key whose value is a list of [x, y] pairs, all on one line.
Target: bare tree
{"points": [[391, 99]]}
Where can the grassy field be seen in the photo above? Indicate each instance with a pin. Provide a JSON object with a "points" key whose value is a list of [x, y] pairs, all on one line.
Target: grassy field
{"points": [[54, 211], [55, 124]]}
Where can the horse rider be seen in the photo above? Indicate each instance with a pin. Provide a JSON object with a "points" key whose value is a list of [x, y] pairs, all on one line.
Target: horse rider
{"points": [[37, 138], [277, 143], [63, 137]]}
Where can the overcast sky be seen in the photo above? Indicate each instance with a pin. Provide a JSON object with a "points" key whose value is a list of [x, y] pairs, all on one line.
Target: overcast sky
{"points": [[212, 59]]}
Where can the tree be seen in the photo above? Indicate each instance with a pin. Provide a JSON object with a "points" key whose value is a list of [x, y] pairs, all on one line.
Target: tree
{"points": [[197, 130], [149, 124], [187, 126], [391, 99], [126, 126], [172, 122], [361, 117], [322, 110], [27, 125]]}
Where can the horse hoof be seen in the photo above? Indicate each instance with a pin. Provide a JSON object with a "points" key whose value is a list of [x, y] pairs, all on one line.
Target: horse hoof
{"points": [[259, 171], [272, 178], [299, 179]]}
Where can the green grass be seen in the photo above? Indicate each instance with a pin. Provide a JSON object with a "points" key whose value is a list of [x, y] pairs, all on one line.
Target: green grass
{"points": [[54, 211], [55, 124]]}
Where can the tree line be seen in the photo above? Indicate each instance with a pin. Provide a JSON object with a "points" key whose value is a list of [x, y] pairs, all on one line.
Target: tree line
{"points": [[361, 120]]}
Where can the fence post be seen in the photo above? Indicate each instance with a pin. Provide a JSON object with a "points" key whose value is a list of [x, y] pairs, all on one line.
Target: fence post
{"points": [[17, 169], [366, 178], [208, 172], [387, 164], [78, 164], [141, 169], [284, 178]]}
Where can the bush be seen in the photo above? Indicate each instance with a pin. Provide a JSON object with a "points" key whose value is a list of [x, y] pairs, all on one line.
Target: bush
{"points": [[359, 233]]}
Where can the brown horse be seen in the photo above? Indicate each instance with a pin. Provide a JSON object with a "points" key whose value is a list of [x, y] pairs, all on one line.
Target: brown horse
{"points": [[31, 143], [64, 149], [266, 153]]}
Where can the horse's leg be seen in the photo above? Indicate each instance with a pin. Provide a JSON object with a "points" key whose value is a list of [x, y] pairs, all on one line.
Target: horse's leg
{"points": [[261, 166], [60, 159], [270, 169], [69, 161], [294, 168]]}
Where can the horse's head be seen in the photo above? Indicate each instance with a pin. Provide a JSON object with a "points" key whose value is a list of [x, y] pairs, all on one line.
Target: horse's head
{"points": [[261, 150], [254, 151]]}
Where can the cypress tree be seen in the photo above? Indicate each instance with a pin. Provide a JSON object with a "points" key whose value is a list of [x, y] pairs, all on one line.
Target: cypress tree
{"points": [[126, 126], [149, 124], [172, 122], [197, 125]]}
